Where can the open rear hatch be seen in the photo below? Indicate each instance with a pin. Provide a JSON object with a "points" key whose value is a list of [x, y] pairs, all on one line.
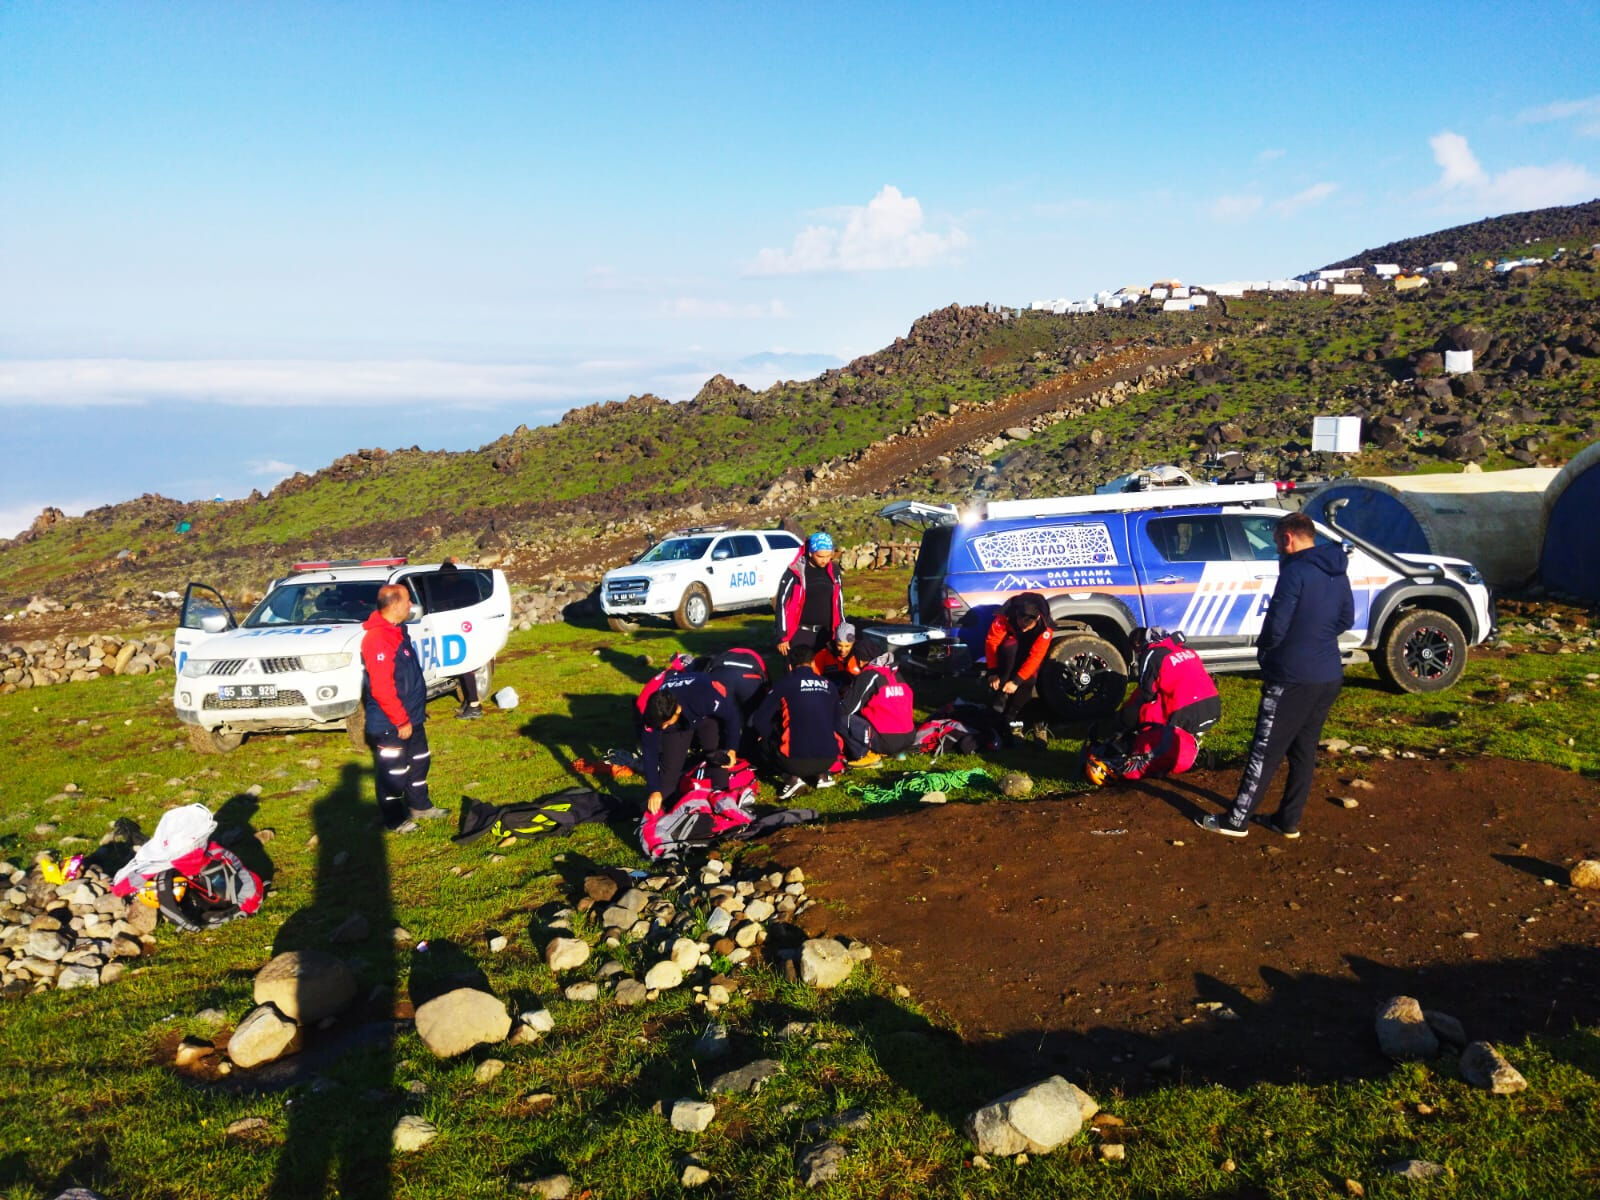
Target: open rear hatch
{"points": [[919, 514]]}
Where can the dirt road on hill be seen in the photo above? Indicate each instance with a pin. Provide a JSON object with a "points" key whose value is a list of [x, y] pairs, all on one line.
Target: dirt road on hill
{"points": [[1104, 936], [887, 463]]}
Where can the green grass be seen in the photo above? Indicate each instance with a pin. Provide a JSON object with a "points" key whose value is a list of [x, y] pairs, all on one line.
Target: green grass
{"points": [[86, 1096]]}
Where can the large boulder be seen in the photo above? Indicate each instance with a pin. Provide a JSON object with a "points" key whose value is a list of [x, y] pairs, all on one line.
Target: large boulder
{"points": [[1465, 337], [1035, 1119], [305, 985], [266, 1035], [457, 1021], [1403, 1030]]}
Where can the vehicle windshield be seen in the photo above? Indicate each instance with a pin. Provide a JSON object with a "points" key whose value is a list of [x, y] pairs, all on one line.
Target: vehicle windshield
{"points": [[676, 550], [316, 604]]}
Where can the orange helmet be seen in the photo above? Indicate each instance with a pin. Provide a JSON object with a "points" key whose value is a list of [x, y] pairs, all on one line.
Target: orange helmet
{"points": [[1096, 770]]}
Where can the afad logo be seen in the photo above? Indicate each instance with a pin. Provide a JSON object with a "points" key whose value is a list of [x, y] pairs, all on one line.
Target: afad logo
{"points": [[446, 651]]}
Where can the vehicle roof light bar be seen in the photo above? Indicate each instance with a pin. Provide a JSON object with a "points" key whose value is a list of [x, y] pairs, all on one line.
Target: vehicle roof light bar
{"points": [[1172, 497], [331, 563]]}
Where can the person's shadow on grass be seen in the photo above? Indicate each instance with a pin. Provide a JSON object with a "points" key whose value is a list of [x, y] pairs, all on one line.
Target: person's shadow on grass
{"points": [[341, 1121]]}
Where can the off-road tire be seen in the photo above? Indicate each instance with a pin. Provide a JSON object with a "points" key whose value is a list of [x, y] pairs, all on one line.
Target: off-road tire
{"points": [[355, 728], [621, 624], [213, 741], [1084, 677], [694, 610], [1421, 651]]}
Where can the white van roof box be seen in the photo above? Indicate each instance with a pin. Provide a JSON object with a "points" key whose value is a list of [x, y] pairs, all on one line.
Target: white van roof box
{"points": [[1171, 497]]}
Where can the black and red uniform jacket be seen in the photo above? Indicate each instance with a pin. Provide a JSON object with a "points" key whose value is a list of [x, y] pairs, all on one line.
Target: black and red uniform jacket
{"points": [[800, 715], [883, 698], [699, 698], [791, 598], [393, 690]]}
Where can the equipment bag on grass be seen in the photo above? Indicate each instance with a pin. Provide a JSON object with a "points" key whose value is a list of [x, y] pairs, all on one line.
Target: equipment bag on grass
{"points": [[559, 812], [191, 880]]}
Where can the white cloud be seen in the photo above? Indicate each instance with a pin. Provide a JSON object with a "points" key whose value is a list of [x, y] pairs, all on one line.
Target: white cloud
{"points": [[1267, 156], [1463, 179], [887, 234], [1235, 207], [275, 468], [1586, 112], [1305, 198], [690, 306]]}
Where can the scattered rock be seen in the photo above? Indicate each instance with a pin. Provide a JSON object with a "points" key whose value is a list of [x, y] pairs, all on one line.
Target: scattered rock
{"points": [[245, 1127], [563, 954], [1015, 784], [664, 976], [825, 963], [693, 1116], [1112, 1151], [631, 992], [818, 1164], [412, 1133], [191, 1051], [1403, 1031], [747, 1078], [305, 985], [693, 1175], [1585, 874], [712, 1043], [1416, 1168], [549, 1187], [1485, 1067], [586, 992], [264, 1036], [1446, 1027], [1035, 1119], [353, 928], [488, 1070], [457, 1021]]}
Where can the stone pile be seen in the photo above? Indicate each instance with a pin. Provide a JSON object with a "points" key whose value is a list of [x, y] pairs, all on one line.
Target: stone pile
{"points": [[877, 556], [553, 600], [68, 935], [296, 990], [688, 921], [72, 659]]}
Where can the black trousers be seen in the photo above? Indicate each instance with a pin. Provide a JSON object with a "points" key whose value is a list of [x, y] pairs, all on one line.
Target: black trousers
{"points": [[469, 687], [1005, 662], [805, 768], [1288, 725], [676, 744], [400, 767], [860, 735]]}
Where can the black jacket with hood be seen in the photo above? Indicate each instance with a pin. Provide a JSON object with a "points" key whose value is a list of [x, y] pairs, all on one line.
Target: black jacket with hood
{"points": [[1311, 606]]}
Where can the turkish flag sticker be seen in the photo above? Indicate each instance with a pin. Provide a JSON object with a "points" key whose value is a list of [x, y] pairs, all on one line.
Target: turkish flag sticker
{"points": [[466, 627]]}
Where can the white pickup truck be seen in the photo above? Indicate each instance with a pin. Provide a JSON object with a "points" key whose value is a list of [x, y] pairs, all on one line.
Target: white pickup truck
{"points": [[295, 661]]}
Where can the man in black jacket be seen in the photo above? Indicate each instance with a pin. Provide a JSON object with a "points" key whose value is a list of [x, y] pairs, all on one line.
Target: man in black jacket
{"points": [[1301, 673], [798, 723]]}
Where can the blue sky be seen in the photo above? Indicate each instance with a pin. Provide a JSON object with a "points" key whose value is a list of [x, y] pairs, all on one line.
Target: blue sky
{"points": [[237, 240]]}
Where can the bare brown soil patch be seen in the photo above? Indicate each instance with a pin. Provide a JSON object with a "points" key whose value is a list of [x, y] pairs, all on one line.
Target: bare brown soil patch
{"points": [[1083, 933]]}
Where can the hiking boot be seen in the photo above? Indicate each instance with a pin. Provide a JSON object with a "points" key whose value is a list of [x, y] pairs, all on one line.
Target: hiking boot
{"points": [[428, 814], [1273, 824], [792, 787], [469, 712], [825, 781], [870, 759], [1216, 824]]}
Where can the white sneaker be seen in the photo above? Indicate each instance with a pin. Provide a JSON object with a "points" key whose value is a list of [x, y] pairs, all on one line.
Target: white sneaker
{"points": [[825, 781], [792, 787]]}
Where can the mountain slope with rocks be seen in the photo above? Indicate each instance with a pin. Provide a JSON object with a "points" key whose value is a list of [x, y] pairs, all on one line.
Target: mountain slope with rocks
{"points": [[973, 401]]}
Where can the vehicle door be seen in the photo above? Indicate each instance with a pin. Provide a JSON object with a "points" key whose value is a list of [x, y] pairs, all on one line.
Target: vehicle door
{"points": [[1191, 580], [780, 551], [464, 623], [204, 615], [1251, 537], [735, 570]]}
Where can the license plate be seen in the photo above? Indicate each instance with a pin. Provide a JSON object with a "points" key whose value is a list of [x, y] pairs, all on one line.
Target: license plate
{"points": [[248, 691], [624, 601]]}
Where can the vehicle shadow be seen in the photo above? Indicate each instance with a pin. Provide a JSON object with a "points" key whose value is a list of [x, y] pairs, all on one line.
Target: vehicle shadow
{"points": [[338, 1138]]}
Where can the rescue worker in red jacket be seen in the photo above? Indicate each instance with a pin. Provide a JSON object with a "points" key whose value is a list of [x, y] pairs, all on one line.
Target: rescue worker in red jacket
{"points": [[396, 698], [876, 716], [810, 600], [1017, 645], [1173, 703]]}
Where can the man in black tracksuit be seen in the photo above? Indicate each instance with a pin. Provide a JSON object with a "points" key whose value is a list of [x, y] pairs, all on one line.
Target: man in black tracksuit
{"points": [[797, 722], [1301, 675], [687, 708]]}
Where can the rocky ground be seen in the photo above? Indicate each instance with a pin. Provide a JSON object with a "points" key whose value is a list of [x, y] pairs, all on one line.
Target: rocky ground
{"points": [[1105, 934]]}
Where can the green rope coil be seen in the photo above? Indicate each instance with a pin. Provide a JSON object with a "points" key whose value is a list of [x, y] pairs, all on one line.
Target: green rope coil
{"points": [[918, 784]]}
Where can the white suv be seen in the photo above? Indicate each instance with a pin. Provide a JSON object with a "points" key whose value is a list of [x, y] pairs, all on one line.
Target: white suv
{"points": [[692, 574], [295, 662]]}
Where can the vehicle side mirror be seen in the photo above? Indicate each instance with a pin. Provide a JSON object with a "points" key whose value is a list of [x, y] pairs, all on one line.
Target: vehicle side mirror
{"points": [[214, 623], [415, 614]]}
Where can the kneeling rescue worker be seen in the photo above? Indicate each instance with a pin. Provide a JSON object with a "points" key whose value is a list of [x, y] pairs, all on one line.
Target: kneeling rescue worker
{"points": [[1174, 702], [876, 715], [1017, 645]]}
